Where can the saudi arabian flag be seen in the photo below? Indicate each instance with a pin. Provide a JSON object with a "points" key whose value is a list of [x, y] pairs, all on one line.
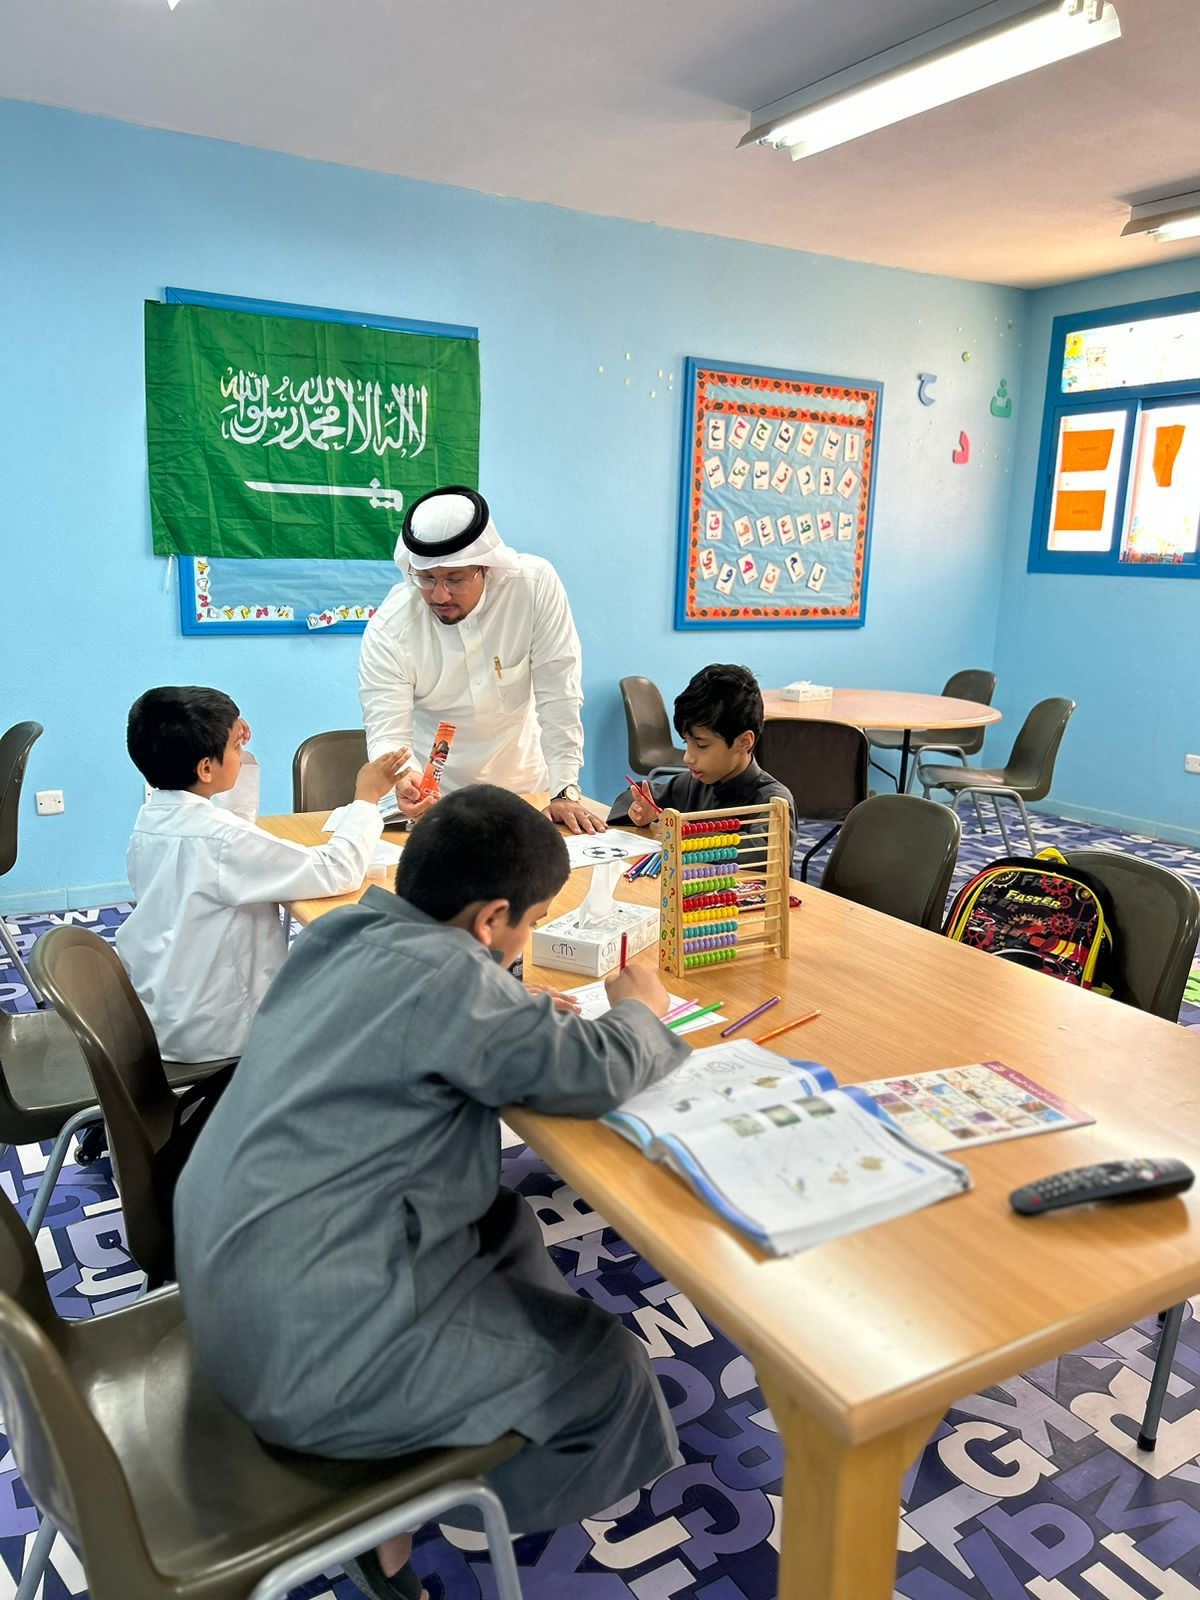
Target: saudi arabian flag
{"points": [[283, 437]]}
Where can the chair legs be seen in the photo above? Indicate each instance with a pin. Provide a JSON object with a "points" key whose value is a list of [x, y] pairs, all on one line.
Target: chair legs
{"points": [[1168, 1338], [14, 955], [34, 1569], [891, 776], [54, 1165], [995, 796], [820, 845], [388, 1525]]}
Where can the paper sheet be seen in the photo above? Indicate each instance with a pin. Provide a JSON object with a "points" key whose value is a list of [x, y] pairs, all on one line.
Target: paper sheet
{"points": [[610, 844], [593, 1002]]}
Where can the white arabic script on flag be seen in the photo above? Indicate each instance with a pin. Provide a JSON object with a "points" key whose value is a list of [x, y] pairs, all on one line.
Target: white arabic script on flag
{"points": [[355, 415]]}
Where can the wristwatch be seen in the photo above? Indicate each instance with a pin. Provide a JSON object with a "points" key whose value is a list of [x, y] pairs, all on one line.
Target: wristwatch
{"points": [[569, 791]]}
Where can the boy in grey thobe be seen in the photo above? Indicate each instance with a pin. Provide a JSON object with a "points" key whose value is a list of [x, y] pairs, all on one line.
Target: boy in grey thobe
{"points": [[356, 1282]]}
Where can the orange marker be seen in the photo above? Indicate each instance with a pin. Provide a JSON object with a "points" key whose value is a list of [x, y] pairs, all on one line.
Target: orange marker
{"points": [[785, 1027]]}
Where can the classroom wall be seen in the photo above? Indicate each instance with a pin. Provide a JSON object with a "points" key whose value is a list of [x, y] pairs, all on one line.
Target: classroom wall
{"points": [[1127, 650], [579, 465]]}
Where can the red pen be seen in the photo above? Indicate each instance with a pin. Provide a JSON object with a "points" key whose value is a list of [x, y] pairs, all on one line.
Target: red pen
{"points": [[624, 949], [642, 790]]}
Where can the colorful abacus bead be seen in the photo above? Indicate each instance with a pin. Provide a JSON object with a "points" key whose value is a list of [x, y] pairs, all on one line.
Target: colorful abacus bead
{"points": [[709, 957]]}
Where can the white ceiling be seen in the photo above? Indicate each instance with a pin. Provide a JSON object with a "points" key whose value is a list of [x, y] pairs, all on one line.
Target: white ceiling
{"points": [[633, 108]]}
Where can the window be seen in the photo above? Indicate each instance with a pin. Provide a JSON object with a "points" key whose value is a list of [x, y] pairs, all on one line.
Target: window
{"points": [[1119, 471]]}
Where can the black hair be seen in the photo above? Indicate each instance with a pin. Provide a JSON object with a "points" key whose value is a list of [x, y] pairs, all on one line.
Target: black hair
{"points": [[481, 843], [726, 699], [171, 730]]}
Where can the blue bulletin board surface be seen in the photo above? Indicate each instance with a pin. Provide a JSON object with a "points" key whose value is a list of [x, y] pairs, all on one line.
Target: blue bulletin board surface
{"points": [[776, 497], [219, 597]]}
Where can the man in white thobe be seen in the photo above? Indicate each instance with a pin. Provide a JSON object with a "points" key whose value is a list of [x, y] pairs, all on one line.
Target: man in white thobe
{"points": [[483, 638]]}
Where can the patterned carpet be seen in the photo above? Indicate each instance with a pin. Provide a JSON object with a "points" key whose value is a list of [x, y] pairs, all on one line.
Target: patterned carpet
{"points": [[1032, 1489]]}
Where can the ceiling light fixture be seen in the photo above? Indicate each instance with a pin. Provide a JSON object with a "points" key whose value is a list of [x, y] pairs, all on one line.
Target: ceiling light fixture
{"points": [[171, 4], [1175, 216], [1001, 40]]}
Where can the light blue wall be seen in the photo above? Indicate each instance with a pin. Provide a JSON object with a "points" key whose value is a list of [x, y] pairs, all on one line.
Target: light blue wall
{"points": [[1126, 649], [579, 465]]}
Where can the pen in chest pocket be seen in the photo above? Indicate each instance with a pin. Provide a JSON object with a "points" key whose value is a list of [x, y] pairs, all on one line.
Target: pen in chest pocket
{"points": [[499, 669]]}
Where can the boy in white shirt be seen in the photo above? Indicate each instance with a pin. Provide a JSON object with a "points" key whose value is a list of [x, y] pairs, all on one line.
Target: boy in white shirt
{"points": [[205, 938]]}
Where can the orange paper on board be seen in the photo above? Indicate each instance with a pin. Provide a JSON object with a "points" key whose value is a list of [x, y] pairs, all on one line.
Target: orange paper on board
{"points": [[1086, 449], [1079, 511], [1167, 442]]}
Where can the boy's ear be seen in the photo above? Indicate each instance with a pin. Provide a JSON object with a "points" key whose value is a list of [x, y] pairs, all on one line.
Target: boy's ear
{"points": [[491, 915], [204, 770], [745, 742]]}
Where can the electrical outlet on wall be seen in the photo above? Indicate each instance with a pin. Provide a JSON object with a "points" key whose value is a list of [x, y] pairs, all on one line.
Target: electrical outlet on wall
{"points": [[1191, 764], [49, 802]]}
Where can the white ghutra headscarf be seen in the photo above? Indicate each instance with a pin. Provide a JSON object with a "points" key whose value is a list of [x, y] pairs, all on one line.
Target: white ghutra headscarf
{"points": [[451, 527]]}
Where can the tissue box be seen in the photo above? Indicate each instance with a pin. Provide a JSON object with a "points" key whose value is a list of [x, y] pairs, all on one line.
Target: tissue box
{"points": [[597, 950], [806, 691]]}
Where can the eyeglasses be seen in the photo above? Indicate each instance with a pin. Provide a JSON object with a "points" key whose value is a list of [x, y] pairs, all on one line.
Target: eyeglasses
{"points": [[455, 582]]}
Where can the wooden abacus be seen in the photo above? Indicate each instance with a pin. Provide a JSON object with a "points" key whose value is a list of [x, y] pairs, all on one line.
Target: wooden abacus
{"points": [[725, 881]]}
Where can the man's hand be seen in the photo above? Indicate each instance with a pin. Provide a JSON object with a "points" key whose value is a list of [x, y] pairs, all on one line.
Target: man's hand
{"points": [[639, 983], [408, 798], [377, 778], [574, 816]]}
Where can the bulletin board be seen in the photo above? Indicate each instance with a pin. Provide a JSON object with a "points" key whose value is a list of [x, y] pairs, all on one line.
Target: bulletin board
{"points": [[222, 595], [776, 497]]}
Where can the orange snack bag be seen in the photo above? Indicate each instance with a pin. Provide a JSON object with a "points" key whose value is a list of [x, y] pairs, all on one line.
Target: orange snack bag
{"points": [[431, 778]]}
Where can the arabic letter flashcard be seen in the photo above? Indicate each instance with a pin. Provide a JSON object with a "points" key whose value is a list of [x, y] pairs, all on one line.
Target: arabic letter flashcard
{"points": [[714, 472], [762, 432], [806, 527], [825, 524], [739, 472], [787, 529], [715, 435], [765, 528], [714, 526], [744, 531], [783, 476], [816, 578], [762, 475], [853, 445], [827, 480], [748, 568], [832, 447], [807, 442], [848, 484], [785, 435], [739, 432], [770, 578], [845, 525], [725, 581], [795, 567], [708, 563], [806, 478]]}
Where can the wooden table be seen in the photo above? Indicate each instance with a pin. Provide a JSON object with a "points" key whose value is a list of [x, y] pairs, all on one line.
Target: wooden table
{"points": [[883, 708], [863, 1343]]}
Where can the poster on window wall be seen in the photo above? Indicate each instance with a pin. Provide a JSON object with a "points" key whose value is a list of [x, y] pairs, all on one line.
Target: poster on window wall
{"points": [[777, 487]]}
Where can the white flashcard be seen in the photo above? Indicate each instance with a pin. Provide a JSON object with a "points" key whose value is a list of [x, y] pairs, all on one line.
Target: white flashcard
{"points": [[739, 432], [714, 525], [807, 480], [762, 475], [762, 432], [708, 563], [783, 476], [725, 581], [744, 531], [827, 480], [807, 442], [748, 568], [816, 578], [787, 530], [770, 578], [795, 566], [716, 433], [714, 472], [785, 435], [845, 524], [853, 444], [765, 529], [739, 472], [831, 449], [825, 524], [806, 528], [848, 484]]}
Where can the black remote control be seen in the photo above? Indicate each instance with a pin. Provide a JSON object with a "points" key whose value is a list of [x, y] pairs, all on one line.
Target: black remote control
{"points": [[1107, 1180]]}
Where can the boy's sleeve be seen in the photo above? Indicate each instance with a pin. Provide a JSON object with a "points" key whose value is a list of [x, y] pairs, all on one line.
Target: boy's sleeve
{"points": [[556, 1062], [254, 866]]}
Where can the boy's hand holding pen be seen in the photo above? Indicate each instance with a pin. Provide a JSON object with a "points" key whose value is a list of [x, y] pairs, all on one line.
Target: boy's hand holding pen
{"points": [[643, 807]]}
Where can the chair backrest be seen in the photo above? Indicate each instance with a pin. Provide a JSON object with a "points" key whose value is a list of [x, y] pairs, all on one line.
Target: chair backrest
{"points": [[1031, 766], [324, 769], [15, 746], [1157, 917], [66, 1463], [972, 683], [824, 764], [647, 727], [91, 991], [896, 854]]}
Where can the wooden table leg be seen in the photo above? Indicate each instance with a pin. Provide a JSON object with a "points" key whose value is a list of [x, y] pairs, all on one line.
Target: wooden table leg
{"points": [[841, 1504]]}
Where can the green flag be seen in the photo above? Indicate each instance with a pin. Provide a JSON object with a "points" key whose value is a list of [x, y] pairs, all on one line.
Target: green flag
{"points": [[281, 437]]}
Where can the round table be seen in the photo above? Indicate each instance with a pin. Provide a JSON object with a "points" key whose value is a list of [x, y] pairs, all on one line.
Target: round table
{"points": [[893, 709]]}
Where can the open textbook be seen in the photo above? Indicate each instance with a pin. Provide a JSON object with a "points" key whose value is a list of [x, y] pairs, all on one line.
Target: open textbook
{"points": [[779, 1150]]}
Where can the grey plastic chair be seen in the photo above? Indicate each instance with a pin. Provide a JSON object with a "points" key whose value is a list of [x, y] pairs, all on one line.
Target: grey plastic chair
{"points": [[824, 764], [324, 769], [162, 1491], [896, 854], [1027, 776], [15, 746], [648, 729], [972, 683]]}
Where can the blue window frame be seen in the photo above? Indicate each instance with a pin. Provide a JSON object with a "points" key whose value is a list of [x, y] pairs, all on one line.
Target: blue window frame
{"points": [[1119, 461]]}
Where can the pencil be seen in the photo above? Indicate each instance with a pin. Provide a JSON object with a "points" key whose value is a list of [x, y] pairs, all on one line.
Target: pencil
{"points": [[692, 1015], [784, 1027], [750, 1016], [624, 949]]}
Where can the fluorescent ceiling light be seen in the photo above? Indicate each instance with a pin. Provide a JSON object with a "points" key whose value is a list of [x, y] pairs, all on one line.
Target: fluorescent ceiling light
{"points": [[1175, 216], [1001, 40], [171, 4]]}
